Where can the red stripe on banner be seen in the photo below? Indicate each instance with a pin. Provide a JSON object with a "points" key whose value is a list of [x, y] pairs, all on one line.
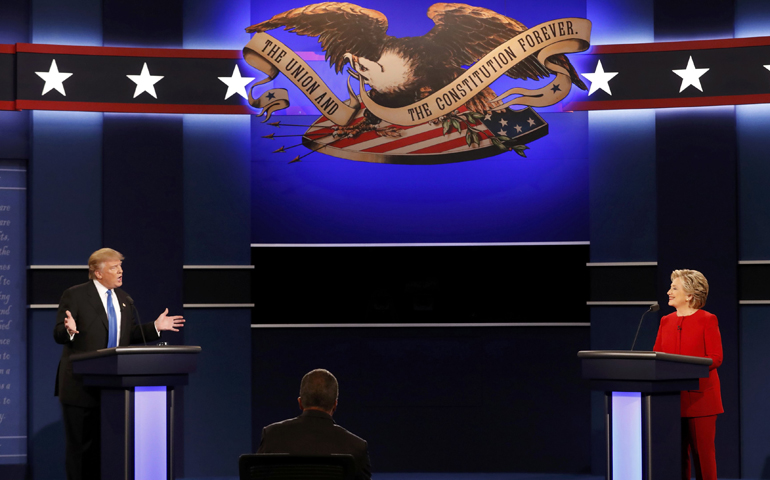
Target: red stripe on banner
{"points": [[7, 48], [441, 147], [7, 105], [677, 46], [131, 107], [668, 102], [346, 142], [127, 52], [420, 137], [404, 142]]}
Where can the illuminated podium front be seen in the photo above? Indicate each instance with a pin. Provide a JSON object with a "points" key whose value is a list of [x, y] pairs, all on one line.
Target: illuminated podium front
{"points": [[642, 408], [137, 406]]}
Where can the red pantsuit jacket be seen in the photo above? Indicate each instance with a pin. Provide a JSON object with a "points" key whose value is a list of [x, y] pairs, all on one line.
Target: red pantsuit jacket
{"points": [[696, 335]]}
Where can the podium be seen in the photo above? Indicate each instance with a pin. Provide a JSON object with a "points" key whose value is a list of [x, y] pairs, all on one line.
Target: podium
{"points": [[137, 406], [642, 409]]}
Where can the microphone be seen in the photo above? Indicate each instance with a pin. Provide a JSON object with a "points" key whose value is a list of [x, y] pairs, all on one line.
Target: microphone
{"points": [[138, 320], [653, 308]]}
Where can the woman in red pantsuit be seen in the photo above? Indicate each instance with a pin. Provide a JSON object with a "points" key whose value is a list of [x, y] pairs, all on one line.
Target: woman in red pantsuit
{"points": [[695, 332]]}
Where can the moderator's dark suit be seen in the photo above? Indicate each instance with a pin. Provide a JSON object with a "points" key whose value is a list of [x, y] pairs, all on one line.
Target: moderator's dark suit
{"points": [[80, 403], [315, 433]]}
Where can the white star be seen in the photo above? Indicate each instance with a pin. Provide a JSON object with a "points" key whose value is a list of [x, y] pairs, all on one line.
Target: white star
{"points": [[531, 122], [767, 66], [518, 129], [54, 80], [503, 122], [488, 117], [691, 76], [236, 83], [600, 79], [145, 82], [502, 132]]}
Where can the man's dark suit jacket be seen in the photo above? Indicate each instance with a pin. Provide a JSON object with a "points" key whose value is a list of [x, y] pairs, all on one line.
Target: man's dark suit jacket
{"points": [[88, 311], [315, 433]]}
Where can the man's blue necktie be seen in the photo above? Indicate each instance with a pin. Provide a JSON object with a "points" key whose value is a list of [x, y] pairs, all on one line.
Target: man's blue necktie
{"points": [[112, 341]]}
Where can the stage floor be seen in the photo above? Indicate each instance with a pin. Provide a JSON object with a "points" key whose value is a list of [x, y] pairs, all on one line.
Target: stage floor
{"points": [[466, 476], [483, 476]]}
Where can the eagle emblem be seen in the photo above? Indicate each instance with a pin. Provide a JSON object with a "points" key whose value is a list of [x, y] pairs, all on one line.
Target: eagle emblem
{"points": [[433, 88]]}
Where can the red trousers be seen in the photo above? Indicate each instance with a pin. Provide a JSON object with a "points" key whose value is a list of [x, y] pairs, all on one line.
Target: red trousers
{"points": [[698, 439]]}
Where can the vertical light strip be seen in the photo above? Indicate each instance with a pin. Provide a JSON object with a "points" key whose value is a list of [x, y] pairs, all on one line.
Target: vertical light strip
{"points": [[627, 435], [150, 455]]}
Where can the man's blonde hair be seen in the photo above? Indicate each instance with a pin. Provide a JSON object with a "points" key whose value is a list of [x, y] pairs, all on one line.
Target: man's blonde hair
{"points": [[695, 284], [97, 259]]}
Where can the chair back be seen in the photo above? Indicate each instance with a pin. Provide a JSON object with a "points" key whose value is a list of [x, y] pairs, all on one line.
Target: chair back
{"points": [[282, 466]]}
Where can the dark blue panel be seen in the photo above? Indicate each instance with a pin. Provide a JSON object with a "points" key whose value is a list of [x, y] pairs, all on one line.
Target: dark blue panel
{"points": [[143, 23], [464, 398], [751, 18], [697, 228], [217, 189], [753, 122], [65, 187], [613, 328], [622, 152], [75, 22], [14, 134], [143, 207], [218, 398], [46, 431], [210, 24], [501, 199], [755, 390], [693, 20], [14, 21]]}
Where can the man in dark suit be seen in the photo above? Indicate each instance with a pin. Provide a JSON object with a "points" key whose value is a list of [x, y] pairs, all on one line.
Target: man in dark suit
{"points": [[315, 432], [92, 316]]}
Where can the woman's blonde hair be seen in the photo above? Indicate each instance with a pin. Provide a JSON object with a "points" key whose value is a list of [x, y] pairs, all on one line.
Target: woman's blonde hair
{"points": [[695, 284]]}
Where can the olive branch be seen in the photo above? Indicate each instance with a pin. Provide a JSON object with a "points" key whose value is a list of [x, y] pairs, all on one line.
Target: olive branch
{"points": [[473, 136]]}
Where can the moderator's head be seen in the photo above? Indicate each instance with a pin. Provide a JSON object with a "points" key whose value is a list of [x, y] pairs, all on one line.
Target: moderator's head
{"points": [[98, 258], [319, 390]]}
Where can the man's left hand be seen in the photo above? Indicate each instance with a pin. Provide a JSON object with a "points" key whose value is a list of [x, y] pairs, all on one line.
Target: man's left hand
{"points": [[167, 322]]}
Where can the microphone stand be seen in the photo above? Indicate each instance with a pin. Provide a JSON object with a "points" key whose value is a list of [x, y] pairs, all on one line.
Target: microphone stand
{"points": [[653, 308]]}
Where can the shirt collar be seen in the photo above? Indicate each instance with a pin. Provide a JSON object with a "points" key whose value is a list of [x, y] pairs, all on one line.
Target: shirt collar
{"points": [[100, 288], [317, 414]]}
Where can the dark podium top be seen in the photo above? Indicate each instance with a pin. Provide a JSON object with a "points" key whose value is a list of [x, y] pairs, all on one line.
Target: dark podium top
{"points": [[651, 372], [124, 367]]}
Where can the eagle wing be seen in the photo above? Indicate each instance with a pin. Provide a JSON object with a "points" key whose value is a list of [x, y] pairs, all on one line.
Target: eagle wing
{"points": [[469, 33], [340, 27]]}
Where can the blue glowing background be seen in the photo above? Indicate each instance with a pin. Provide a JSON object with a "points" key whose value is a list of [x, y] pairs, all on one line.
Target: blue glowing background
{"points": [[505, 198]]}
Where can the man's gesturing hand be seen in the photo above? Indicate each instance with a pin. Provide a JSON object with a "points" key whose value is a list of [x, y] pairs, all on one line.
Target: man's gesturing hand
{"points": [[70, 325], [166, 322]]}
